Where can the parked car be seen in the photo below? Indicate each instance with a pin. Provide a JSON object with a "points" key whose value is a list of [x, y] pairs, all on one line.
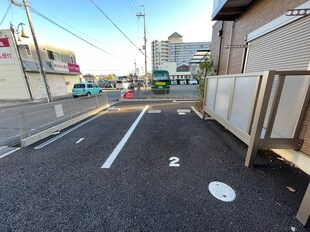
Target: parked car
{"points": [[85, 89], [182, 82], [193, 82], [111, 84]]}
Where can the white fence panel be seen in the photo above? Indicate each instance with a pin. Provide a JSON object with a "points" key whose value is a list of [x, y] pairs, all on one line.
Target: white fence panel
{"points": [[243, 102], [292, 99], [222, 98]]}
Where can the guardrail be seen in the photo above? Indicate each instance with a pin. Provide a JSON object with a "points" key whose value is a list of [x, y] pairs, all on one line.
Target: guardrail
{"points": [[19, 123]]}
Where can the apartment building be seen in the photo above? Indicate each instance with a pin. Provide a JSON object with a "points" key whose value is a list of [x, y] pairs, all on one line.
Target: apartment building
{"points": [[176, 53], [20, 74], [159, 53]]}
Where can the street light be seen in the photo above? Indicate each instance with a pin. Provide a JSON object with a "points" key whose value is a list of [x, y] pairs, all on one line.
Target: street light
{"points": [[24, 35]]}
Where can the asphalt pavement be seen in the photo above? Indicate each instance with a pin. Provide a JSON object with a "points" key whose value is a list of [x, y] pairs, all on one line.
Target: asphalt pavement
{"points": [[63, 187]]}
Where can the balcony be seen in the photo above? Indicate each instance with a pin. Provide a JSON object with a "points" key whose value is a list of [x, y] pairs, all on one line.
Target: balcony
{"points": [[229, 10]]}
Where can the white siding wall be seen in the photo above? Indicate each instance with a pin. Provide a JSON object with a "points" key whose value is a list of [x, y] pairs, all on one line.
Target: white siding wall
{"points": [[12, 82], [57, 84], [37, 85], [71, 80]]}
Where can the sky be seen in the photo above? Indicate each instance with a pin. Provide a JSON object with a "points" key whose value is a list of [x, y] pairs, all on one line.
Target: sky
{"points": [[117, 55]]}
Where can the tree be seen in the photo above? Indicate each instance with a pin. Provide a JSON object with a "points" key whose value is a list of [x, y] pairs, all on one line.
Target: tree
{"points": [[207, 69]]}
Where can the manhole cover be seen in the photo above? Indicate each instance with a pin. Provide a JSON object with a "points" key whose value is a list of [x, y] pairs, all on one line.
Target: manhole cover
{"points": [[222, 191]]}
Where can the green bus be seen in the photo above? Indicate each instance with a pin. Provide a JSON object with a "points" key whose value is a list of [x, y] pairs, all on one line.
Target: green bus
{"points": [[160, 81]]}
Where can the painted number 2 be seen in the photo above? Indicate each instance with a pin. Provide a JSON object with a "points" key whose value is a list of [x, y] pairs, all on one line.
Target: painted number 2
{"points": [[174, 162]]}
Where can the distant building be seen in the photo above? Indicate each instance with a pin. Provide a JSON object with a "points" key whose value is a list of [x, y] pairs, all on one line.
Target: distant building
{"points": [[174, 50], [59, 64], [160, 51]]}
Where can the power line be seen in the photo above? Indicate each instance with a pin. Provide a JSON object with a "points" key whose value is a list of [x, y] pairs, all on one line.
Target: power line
{"points": [[94, 39], [6, 12], [58, 25], [130, 6], [136, 5], [116, 26]]}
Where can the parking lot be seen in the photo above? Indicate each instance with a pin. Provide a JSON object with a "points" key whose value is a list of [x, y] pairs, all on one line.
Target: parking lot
{"points": [[71, 183]]}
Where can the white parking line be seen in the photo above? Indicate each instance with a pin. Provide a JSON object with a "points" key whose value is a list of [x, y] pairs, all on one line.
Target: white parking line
{"points": [[183, 110], [67, 132], [80, 140], [154, 111], [10, 152], [114, 109], [114, 154]]}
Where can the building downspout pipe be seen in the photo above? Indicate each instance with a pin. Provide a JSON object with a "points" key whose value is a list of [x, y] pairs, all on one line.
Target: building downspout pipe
{"points": [[220, 48], [228, 54]]}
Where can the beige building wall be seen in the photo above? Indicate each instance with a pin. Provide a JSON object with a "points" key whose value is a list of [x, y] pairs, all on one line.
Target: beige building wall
{"points": [[37, 85], [258, 14], [12, 81], [70, 81]]}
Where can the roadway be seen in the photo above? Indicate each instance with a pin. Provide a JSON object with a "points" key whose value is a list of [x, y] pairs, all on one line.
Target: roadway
{"points": [[25, 119], [60, 185]]}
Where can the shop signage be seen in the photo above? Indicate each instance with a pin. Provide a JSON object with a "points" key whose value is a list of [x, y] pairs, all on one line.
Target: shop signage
{"points": [[75, 68], [6, 56], [60, 66], [65, 67]]}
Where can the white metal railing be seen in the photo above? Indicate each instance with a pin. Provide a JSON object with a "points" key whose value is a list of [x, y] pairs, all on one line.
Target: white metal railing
{"points": [[265, 110]]}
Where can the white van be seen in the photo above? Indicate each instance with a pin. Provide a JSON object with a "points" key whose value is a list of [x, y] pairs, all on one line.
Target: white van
{"points": [[122, 84], [192, 82]]}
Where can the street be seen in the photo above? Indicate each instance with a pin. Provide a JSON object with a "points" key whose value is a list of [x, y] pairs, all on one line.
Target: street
{"points": [[63, 184], [22, 120]]}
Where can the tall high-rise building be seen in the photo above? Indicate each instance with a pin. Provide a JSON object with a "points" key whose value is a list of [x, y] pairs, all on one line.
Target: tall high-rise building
{"points": [[175, 50], [160, 51]]}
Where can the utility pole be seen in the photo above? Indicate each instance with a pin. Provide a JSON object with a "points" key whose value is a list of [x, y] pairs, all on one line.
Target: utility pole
{"points": [[49, 96], [135, 69], [144, 47]]}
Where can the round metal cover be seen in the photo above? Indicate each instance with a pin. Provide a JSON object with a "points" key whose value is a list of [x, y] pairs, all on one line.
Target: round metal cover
{"points": [[222, 191]]}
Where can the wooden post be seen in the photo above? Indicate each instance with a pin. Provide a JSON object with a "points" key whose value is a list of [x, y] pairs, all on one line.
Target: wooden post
{"points": [[303, 214]]}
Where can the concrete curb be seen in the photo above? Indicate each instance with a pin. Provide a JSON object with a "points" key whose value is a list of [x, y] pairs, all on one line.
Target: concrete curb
{"points": [[154, 99], [48, 132]]}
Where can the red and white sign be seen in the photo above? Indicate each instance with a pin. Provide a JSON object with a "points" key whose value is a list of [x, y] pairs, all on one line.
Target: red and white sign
{"points": [[65, 67], [125, 94], [60, 66], [6, 56], [75, 68]]}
